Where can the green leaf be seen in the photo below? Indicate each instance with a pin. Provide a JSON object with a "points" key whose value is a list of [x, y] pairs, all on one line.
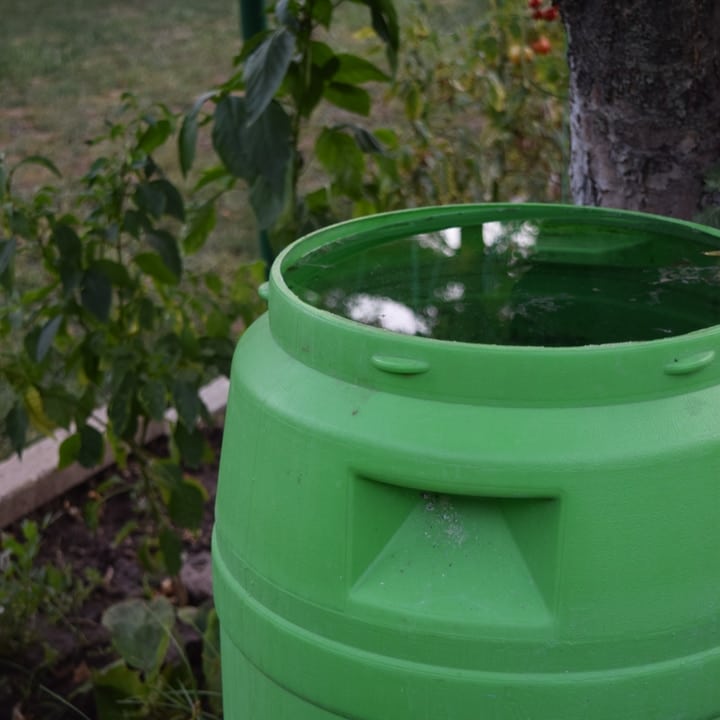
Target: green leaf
{"points": [[365, 140], [228, 136], [146, 313], [187, 401], [340, 156], [124, 532], [187, 138], [267, 202], [317, 201], [385, 24], [322, 11], [169, 345], [125, 363], [7, 253], [154, 266], [30, 343], [20, 223], [69, 450], [96, 292], [323, 55], [152, 397], [387, 137], [134, 222], [69, 248], [166, 246], [154, 136], [348, 97], [166, 474], [174, 205], [115, 272], [16, 425], [187, 142], [171, 550], [213, 174], [191, 444], [150, 198], [140, 631], [263, 148], [60, 406], [265, 69], [187, 503], [114, 687], [260, 153], [201, 225], [90, 355], [92, 447], [306, 93], [46, 337], [354, 70], [120, 407], [188, 342], [270, 146], [40, 160]]}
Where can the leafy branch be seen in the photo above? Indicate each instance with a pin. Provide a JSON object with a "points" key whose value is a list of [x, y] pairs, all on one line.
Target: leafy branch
{"points": [[261, 113]]}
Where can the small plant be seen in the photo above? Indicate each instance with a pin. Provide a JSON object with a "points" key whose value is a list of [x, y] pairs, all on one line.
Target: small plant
{"points": [[31, 593], [147, 682]]}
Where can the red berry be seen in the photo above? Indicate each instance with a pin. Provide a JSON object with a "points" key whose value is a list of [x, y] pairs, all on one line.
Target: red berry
{"points": [[550, 14], [534, 3], [541, 46], [537, 15]]}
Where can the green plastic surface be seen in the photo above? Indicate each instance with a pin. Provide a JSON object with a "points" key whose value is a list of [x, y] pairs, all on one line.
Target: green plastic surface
{"points": [[410, 528]]}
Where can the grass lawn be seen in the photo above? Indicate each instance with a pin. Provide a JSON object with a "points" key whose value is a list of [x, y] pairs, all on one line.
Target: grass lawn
{"points": [[64, 67]]}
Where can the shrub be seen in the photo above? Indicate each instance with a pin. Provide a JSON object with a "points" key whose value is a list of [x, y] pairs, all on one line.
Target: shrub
{"points": [[101, 307]]}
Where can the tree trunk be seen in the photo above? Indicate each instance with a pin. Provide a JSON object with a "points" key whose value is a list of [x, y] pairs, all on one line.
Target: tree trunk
{"points": [[644, 102]]}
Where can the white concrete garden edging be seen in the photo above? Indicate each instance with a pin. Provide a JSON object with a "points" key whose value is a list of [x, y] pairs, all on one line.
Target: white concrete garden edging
{"points": [[28, 483]]}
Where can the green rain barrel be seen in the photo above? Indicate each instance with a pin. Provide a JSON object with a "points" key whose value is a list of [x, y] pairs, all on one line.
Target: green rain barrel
{"points": [[471, 471]]}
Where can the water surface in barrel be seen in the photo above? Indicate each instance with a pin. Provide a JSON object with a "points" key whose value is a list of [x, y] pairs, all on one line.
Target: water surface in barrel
{"points": [[536, 283]]}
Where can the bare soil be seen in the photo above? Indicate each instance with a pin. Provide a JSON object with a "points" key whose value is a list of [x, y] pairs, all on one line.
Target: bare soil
{"points": [[28, 681]]}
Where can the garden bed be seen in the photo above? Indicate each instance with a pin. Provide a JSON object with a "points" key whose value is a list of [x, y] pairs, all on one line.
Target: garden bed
{"points": [[88, 537]]}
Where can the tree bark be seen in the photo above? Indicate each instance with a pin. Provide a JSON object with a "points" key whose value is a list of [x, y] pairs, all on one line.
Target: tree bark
{"points": [[644, 102]]}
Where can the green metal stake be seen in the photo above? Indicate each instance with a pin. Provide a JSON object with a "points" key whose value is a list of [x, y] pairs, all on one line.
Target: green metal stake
{"points": [[252, 21], [252, 17]]}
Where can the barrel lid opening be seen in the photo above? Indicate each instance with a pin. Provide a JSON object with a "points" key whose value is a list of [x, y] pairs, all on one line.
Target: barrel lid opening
{"points": [[542, 279]]}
